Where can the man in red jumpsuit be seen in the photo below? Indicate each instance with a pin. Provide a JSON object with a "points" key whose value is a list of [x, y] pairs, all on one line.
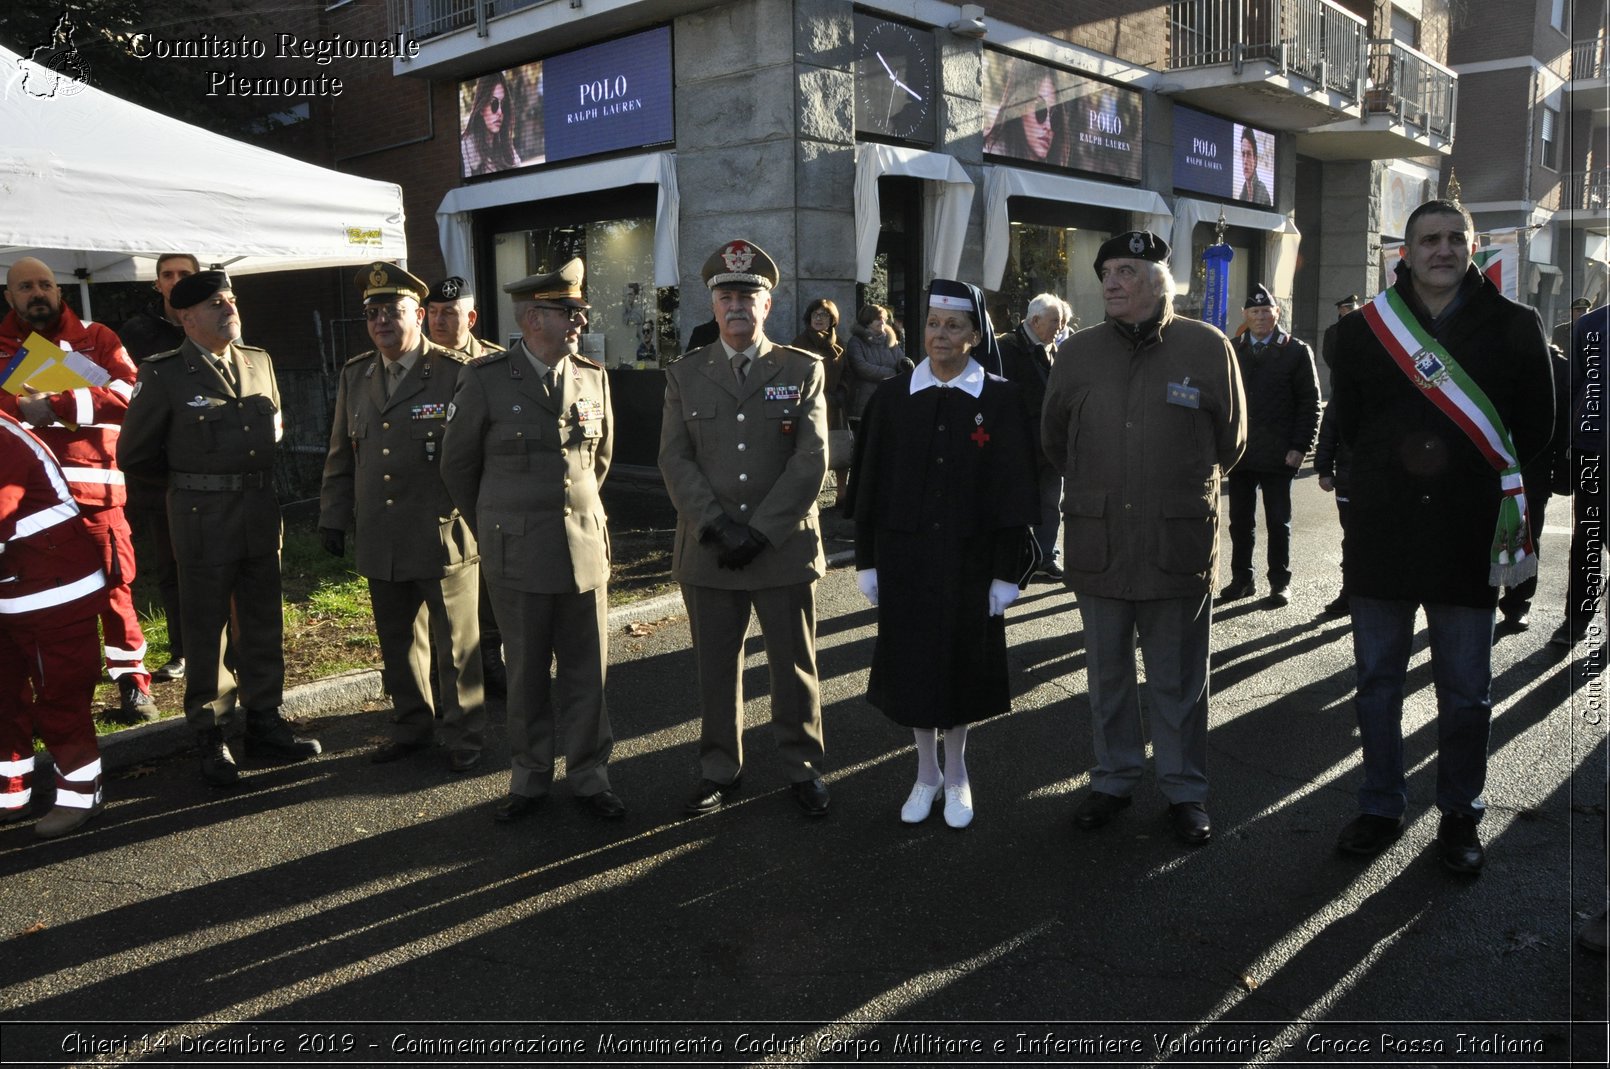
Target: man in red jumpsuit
{"points": [[51, 591], [81, 427]]}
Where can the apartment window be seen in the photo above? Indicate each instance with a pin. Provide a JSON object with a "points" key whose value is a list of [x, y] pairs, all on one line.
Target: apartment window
{"points": [[1405, 28], [1557, 15], [1550, 128]]}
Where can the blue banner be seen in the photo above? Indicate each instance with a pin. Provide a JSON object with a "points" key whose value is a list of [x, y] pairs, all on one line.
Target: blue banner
{"points": [[1216, 290]]}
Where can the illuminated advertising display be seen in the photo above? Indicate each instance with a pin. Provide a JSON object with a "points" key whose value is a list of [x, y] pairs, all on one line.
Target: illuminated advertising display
{"points": [[1046, 115], [602, 98], [1223, 158]]}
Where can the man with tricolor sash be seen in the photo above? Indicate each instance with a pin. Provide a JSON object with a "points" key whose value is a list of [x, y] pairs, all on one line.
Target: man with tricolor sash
{"points": [[1443, 391]]}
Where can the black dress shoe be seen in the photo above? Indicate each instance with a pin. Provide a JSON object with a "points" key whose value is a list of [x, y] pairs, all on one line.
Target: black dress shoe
{"points": [[709, 796], [1238, 589], [270, 733], [605, 803], [388, 752], [1191, 823], [1338, 606], [811, 794], [463, 760], [1098, 808], [1369, 833], [217, 763], [1459, 845], [1280, 596], [516, 807], [1051, 570]]}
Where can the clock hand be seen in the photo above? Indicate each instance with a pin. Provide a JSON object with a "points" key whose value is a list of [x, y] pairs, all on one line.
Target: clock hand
{"points": [[908, 89], [887, 69]]}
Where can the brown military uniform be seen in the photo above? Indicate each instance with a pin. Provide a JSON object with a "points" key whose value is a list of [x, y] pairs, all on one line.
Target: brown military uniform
{"points": [[382, 477], [213, 443], [757, 454], [524, 461]]}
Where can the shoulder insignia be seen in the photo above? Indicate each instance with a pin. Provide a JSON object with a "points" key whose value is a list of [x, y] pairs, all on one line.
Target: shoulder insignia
{"points": [[360, 358], [490, 346], [486, 358], [800, 352], [154, 357], [582, 361], [250, 348], [457, 356]]}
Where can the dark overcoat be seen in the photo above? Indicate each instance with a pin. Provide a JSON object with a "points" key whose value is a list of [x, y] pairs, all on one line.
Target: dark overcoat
{"points": [[1425, 502], [943, 493]]}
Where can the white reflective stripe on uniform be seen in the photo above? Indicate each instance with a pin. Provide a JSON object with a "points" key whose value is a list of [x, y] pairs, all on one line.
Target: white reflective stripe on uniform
{"points": [[86, 774], [16, 800], [279, 426], [103, 476], [84, 406], [71, 786], [113, 653], [40, 521], [13, 769], [122, 389], [60, 595], [100, 426], [46, 458]]}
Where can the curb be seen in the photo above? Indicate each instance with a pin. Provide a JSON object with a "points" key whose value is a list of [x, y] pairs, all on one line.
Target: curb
{"points": [[346, 690]]}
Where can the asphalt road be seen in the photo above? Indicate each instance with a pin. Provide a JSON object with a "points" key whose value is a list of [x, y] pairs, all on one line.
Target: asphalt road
{"points": [[341, 912]]}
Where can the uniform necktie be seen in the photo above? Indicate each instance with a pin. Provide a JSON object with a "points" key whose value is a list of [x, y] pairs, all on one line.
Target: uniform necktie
{"points": [[226, 368], [740, 367], [394, 374]]}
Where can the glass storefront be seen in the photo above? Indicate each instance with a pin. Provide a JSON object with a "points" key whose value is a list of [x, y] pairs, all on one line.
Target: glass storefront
{"points": [[1053, 250], [633, 323]]}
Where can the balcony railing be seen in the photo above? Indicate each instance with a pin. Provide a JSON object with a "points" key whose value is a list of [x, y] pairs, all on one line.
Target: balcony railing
{"points": [[1412, 86], [1314, 39], [422, 19], [1587, 191], [1587, 59]]}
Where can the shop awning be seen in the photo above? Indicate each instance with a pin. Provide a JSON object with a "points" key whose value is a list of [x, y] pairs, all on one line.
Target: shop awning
{"points": [[1003, 183], [453, 220], [1283, 240], [950, 201]]}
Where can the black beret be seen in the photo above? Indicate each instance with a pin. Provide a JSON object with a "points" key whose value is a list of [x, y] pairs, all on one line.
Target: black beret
{"points": [[1133, 245], [450, 288], [191, 290]]}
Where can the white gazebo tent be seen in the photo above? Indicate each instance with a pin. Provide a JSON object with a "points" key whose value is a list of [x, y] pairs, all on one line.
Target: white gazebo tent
{"points": [[97, 187]]}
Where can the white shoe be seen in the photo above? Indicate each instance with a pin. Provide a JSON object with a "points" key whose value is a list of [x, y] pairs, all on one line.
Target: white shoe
{"points": [[919, 803], [959, 805]]}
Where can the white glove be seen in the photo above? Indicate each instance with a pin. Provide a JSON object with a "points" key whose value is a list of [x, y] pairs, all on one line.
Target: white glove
{"points": [[867, 580], [1001, 594]]}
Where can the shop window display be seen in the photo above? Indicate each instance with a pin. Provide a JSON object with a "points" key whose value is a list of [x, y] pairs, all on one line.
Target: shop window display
{"points": [[632, 324]]}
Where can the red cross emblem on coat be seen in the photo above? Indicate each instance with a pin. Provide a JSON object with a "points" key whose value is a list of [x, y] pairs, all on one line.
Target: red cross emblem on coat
{"points": [[979, 436]]}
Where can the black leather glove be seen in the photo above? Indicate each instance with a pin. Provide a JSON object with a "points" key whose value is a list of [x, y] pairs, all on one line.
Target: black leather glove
{"points": [[745, 551], [726, 534], [334, 541]]}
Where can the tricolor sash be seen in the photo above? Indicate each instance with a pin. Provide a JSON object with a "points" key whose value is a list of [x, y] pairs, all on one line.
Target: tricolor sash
{"points": [[1448, 386]]}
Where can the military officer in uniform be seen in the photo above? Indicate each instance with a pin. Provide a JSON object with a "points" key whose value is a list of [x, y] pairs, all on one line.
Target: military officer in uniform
{"points": [[529, 438], [449, 317], [382, 478], [743, 453], [205, 418]]}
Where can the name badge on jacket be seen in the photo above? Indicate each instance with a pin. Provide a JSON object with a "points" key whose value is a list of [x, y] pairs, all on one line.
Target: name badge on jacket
{"points": [[1184, 394]]}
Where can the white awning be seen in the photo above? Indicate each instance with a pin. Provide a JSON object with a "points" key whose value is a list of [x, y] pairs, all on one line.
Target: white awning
{"points": [[1281, 248], [949, 201], [1003, 183], [453, 220], [97, 185]]}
